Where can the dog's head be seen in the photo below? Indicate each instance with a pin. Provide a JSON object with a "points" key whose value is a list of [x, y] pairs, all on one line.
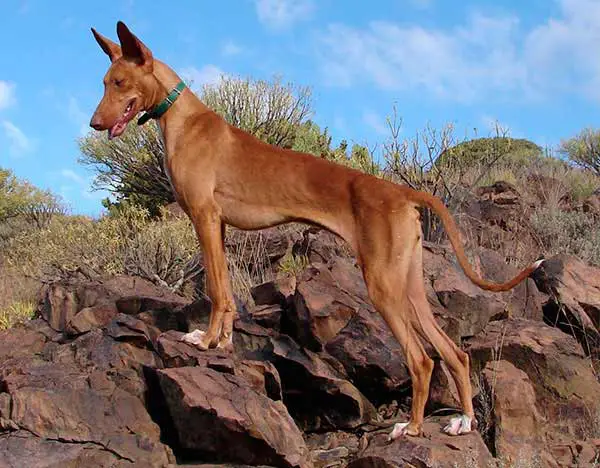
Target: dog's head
{"points": [[129, 84]]}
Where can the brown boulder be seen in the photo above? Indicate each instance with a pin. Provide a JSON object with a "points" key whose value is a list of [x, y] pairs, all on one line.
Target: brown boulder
{"points": [[573, 304], [371, 356], [330, 449], [59, 402], [61, 301], [315, 387], [435, 449], [517, 424], [84, 398], [21, 449], [261, 376], [331, 311], [471, 307], [565, 386], [321, 246], [91, 317], [219, 414], [321, 307]]}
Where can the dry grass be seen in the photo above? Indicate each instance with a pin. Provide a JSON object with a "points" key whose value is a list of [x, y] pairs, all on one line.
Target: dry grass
{"points": [[18, 296], [163, 250], [17, 312], [568, 232]]}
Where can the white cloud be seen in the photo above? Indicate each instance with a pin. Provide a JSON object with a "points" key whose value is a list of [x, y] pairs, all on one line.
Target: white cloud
{"points": [[281, 14], [455, 64], [230, 48], [562, 50], [486, 56], [19, 143], [7, 94], [208, 74], [375, 121]]}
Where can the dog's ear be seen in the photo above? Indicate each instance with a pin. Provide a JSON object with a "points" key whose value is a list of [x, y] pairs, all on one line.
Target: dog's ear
{"points": [[109, 47], [133, 48]]}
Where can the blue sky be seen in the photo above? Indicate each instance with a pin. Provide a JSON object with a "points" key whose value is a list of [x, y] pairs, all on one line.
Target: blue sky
{"points": [[533, 66]]}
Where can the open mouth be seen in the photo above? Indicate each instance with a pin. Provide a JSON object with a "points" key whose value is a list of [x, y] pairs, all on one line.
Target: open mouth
{"points": [[121, 124]]}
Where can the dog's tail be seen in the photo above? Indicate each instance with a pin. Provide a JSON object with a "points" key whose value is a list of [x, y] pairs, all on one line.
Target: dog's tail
{"points": [[438, 207]]}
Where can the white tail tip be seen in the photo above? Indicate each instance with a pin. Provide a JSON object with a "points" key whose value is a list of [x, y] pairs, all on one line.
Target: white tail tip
{"points": [[537, 264]]}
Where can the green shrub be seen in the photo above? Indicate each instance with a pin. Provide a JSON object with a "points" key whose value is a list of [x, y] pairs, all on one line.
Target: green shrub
{"points": [[584, 149]]}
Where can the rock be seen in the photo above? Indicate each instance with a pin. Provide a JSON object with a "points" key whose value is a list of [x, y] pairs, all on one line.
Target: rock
{"points": [[470, 306], [315, 390], [268, 316], [61, 301], [320, 308], [371, 356], [219, 414], [278, 291], [321, 246], [271, 301], [331, 310], [331, 449], [262, 377], [500, 192], [517, 424], [573, 303], [176, 353], [60, 306], [91, 317], [59, 403], [83, 399], [575, 453], [131, 329], [495, 218], [565, 387], [442, 389], [436, 449], [21, 449]]}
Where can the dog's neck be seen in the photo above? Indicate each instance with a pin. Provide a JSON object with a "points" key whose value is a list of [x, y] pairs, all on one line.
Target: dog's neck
{"points": [[183, 107]]}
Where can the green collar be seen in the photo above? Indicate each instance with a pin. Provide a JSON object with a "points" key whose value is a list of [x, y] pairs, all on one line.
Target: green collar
{"points": [[158, 110]]}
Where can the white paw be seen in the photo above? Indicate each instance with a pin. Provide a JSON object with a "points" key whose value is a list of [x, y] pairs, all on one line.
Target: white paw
{"points": [[458, 425], [226, 343], [398, 431], [194, 337]]}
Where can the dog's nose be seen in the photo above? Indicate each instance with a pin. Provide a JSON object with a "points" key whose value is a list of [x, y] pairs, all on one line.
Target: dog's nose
{"points": [[96, 122]]}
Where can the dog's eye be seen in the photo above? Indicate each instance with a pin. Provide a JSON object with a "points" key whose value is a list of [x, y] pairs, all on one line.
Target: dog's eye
{"points": [[118, 83]]}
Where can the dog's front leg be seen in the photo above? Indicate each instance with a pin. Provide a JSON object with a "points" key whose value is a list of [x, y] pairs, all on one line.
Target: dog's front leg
{"points": [[208, 226]]}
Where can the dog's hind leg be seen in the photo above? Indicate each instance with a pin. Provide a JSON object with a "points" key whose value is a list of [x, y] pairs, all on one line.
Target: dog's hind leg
{"points": [[456, 359], [386, 260]]}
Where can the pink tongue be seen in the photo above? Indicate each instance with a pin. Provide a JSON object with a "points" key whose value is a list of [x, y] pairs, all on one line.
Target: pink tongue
{"points": [[116, 130]]}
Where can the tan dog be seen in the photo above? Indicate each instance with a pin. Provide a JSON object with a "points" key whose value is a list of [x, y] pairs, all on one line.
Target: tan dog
{"points": [[222, 175]]}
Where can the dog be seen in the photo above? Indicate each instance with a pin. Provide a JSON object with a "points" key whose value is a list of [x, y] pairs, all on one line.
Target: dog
{"points": [[222, 176]]}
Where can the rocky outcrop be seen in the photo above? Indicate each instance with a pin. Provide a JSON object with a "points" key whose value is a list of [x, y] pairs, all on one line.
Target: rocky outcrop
{"points": [[434, 450], [220, 414], [566, 389], [86, 396], [573, 301], [102, 379]]}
